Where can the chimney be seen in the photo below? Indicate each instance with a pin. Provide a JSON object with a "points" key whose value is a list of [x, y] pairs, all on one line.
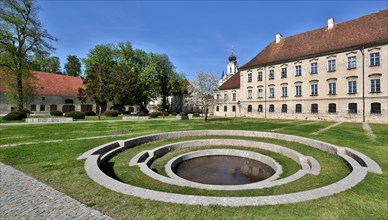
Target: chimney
{"points": [[278, 37], [330, 23]]}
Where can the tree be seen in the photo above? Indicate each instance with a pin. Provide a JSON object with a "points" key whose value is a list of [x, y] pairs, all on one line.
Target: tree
{"points": [[164, 70], [202, 91], [21, 36], [45, 64], [73, 66]]}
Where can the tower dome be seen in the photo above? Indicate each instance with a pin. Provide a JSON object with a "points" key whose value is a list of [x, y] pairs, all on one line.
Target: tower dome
{"points": [[232, 57]]}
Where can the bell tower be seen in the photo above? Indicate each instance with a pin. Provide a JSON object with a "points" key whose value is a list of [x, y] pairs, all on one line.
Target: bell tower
{"points": [[232, 66]]}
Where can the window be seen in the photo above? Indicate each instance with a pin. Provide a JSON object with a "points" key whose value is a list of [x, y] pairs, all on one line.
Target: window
{"points": [[233, 108], [69, 101], [249, 77], [375, 59], [249, 108], [284, 108], [352, 107], [314, 68], [332, 108], [225, 108], [331, 65], [284, 73], [314, 89], [352, 62], [375, 85], [42, 108], [271, 74], [260, 108], [218, 96], [332, 88], [314, 108], [271, 108], [284, 91], [43, 98], [298, 70], [217, 108], [260, 76], [352, 86], [33, 108], [249, 93], [298, 90], [233, 96], [298, 108], [260, 93], [375, 108], [271, 92], [225, 97], [53, 107]]}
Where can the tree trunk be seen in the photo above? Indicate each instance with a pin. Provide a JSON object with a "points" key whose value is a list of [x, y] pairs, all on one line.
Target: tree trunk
{"points": [[205, 114], [19, 91]]}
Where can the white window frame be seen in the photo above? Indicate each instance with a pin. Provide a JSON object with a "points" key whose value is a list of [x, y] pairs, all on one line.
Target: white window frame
{"points": [[331, 65], [233, 96], [249, 94], [314, 89], [314, 68], [375, 85], [332, 88], [260, 76], [260, 93], [374, 59], [298, 90], [271, 74], [249, 77], [271, 92], [298, 70], [352, 62], [284, 91], [352, 86]]}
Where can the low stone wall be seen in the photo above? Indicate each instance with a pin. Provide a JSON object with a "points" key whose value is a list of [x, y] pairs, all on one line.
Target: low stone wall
{"points": [[48, 120], [134, 118]]}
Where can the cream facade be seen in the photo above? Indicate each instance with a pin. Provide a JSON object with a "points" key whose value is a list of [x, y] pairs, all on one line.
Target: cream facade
{"points": [[341, 86], [339, 74]]}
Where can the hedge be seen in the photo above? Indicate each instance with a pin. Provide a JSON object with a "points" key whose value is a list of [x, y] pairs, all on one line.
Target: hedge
{"points": [[111, 113], [56, 113], [90, 113], [75, 115]]}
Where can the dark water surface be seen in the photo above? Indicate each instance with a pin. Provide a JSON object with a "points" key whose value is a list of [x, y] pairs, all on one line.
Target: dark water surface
{"points": [[223, 170]]}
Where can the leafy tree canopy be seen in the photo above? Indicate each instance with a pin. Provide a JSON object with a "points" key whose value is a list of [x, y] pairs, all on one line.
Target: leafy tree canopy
{"points": [[73, 66]]}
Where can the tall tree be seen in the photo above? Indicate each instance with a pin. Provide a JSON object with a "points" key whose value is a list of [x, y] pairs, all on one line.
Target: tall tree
{"points": [[202, 91], [165, 70], [73, 66], [21, 35], [45, 64]]}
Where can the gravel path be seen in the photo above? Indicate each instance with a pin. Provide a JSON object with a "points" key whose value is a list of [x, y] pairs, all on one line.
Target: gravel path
{"points": [[368, 130], [23, 197], [327, 128]]}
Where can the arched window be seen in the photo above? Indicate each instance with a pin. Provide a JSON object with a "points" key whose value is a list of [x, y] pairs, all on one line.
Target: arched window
{"points": [[332, 108], [352, 107], [225, 108], [298, 108], [271, 108], [314, 108], [375, 108], [217, 108], [233, 108], [260, 108], [249, 108], [284, 108]]}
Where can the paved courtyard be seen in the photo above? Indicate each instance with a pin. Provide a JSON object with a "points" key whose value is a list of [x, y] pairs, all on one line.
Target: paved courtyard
{"points": [[23, 197]]}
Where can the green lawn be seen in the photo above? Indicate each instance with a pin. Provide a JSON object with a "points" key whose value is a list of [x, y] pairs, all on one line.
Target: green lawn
{"points": [[55, 164]]}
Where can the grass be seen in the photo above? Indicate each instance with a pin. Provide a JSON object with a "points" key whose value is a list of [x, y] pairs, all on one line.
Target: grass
{"points": [[55, 164]]}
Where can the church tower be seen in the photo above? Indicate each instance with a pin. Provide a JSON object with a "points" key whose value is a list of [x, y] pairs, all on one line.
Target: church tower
{"points": [[231, 69], [232, 64]]}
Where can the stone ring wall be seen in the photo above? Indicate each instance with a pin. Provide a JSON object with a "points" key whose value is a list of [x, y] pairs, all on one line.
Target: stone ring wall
{"points": [[360, 164], [144, 160]]}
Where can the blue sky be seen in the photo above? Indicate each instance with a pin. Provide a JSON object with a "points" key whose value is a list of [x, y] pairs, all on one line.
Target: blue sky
{"points": [[196, 35]]}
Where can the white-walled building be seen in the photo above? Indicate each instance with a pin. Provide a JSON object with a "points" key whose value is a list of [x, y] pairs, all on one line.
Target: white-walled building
{"points": [[338, 72]]}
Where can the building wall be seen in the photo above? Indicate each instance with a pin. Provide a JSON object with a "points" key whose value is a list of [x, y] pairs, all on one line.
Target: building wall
{"points": [[341, 77]]}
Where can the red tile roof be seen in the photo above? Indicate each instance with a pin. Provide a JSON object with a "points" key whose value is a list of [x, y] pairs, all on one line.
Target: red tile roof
{"points": [[367, 29], [55, 84], [232, 83]]}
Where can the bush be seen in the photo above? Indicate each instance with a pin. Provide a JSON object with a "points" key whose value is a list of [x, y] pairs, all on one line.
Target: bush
{"points": [[127, 113], [196, 114], [90, 113], [154, 114], [174, 114], [182, 114], [165, 114], [141, 114], [26, 111], [56, 113], [75, 115], [13, 116], [111, 113], [20, 115]]}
